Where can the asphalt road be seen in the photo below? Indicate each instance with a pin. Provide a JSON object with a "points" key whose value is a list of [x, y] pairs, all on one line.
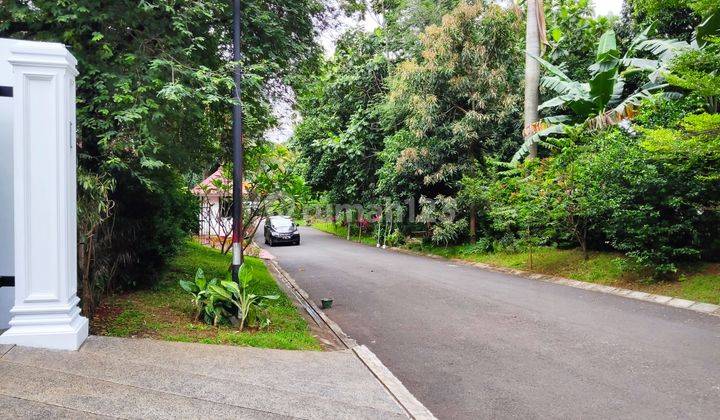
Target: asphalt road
{"points": [[476, 344]]}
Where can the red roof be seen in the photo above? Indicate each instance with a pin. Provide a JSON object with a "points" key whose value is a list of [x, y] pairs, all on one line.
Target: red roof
{"points": [[207, 186]]}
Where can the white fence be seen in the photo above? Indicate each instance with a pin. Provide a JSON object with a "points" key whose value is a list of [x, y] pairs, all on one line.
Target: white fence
{"points": [[38, 196]]}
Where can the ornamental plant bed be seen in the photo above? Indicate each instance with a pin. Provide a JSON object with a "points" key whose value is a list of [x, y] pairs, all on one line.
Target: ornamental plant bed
{"points": [[166, 312]]}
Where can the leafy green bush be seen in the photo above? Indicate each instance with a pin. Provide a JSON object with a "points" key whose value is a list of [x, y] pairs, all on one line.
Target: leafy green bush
{"points": [[395, 238], [206, 308], [650, 191], [482, 246], [697, 71], [219, 301], [440, 216]]}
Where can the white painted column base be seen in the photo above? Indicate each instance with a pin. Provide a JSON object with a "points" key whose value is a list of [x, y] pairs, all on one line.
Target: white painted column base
{"points": [[50, 327]]}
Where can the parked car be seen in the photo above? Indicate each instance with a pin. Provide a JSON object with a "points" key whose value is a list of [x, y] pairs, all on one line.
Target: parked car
{"points": [[281, 230]]}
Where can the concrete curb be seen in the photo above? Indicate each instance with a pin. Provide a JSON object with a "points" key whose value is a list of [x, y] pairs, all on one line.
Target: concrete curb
{"points": [[412, 406], [702, 307], [315, 312], [407, 400]]}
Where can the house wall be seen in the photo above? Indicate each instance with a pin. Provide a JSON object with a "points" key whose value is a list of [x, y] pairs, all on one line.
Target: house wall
{"points": [[6, 164], [211, 224], [7, 292]]}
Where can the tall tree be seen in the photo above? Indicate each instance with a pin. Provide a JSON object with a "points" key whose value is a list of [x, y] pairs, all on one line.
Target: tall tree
{"points": [[340, 136], [456, 105], [154, 97], [534, 35]]}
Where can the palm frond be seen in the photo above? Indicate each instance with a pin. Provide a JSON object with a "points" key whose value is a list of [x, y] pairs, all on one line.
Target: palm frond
{"points": [[559, 85], [557, 119], [552, 103], [535, 139], [643, 64], [665, 49], [552, 68], [641, 37]]}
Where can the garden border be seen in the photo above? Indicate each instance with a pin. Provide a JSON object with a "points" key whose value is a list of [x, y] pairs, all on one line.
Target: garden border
{"points": [[412, 406], [692, 305]]}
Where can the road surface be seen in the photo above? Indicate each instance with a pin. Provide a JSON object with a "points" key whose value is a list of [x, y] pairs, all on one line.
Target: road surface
{"points": [[473, 344]]}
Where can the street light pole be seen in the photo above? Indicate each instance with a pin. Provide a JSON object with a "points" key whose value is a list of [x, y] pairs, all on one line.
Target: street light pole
{"points": [[237, 132]]}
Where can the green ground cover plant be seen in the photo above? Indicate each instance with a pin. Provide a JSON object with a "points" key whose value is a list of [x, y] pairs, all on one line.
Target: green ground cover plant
{"points": [[167, 312]]}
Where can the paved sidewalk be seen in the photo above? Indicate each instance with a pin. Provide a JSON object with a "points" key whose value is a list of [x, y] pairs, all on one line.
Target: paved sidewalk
{"points": [[141, 378]]}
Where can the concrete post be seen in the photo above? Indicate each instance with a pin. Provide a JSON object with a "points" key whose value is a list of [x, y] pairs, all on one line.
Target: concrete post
{"points": [[46, 312]]}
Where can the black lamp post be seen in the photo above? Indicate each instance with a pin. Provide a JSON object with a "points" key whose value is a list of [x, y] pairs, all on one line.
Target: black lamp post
{"points": [[237, 132]]}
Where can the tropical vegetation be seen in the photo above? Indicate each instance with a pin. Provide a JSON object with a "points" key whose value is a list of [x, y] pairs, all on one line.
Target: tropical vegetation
{"points": [[412, 131], [628, 131], [153, 114]]}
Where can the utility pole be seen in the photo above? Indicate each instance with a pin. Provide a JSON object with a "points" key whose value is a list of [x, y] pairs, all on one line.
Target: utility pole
{"points": [[237, 133]]}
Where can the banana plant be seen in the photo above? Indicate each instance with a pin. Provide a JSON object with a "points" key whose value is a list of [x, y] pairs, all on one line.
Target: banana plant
{"points": [[250, 307], [602, 100], [206, 304], [198, 288]]}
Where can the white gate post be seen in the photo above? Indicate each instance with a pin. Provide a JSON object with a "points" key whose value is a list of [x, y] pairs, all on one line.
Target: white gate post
{"points": [[46, 312]]}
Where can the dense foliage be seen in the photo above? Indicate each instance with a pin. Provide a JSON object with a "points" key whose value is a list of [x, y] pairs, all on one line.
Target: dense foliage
{"points": [[572, 35], [649, 191], [630, 128], [340, 135], [456, 105], [154, 96]]}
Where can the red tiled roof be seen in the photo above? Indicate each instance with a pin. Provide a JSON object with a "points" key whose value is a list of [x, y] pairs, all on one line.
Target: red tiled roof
{"points": [[207, 186]]}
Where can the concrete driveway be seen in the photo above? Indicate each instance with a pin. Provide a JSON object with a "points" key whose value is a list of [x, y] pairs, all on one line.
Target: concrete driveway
{"points": [[472, 344]]}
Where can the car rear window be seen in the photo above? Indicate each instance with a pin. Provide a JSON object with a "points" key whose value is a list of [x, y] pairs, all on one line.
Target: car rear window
{"points": [[282, 223]]}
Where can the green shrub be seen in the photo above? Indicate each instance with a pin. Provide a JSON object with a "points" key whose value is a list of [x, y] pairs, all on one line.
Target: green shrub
{"points": [[696, 71], [395, 238], [440, 216], [482, 246], [652, 196], [651, 192], [220, 301]]}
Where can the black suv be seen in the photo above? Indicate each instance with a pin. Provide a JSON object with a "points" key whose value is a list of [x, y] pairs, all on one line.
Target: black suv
{"points": [[281, 230]]}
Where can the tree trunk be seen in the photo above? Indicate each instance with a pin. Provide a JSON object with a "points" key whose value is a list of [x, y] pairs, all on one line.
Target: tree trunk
{"points": [[532, 69], [473, 224], [86, 257], [349, 223]]}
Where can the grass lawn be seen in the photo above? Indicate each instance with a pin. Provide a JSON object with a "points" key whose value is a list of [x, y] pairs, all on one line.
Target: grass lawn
{"points": [[699, 282], [341, 231], [165, 311]]}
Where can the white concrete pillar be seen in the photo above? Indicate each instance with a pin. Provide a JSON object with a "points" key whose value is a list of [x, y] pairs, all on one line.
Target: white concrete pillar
{"points": [[46, 312]]}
